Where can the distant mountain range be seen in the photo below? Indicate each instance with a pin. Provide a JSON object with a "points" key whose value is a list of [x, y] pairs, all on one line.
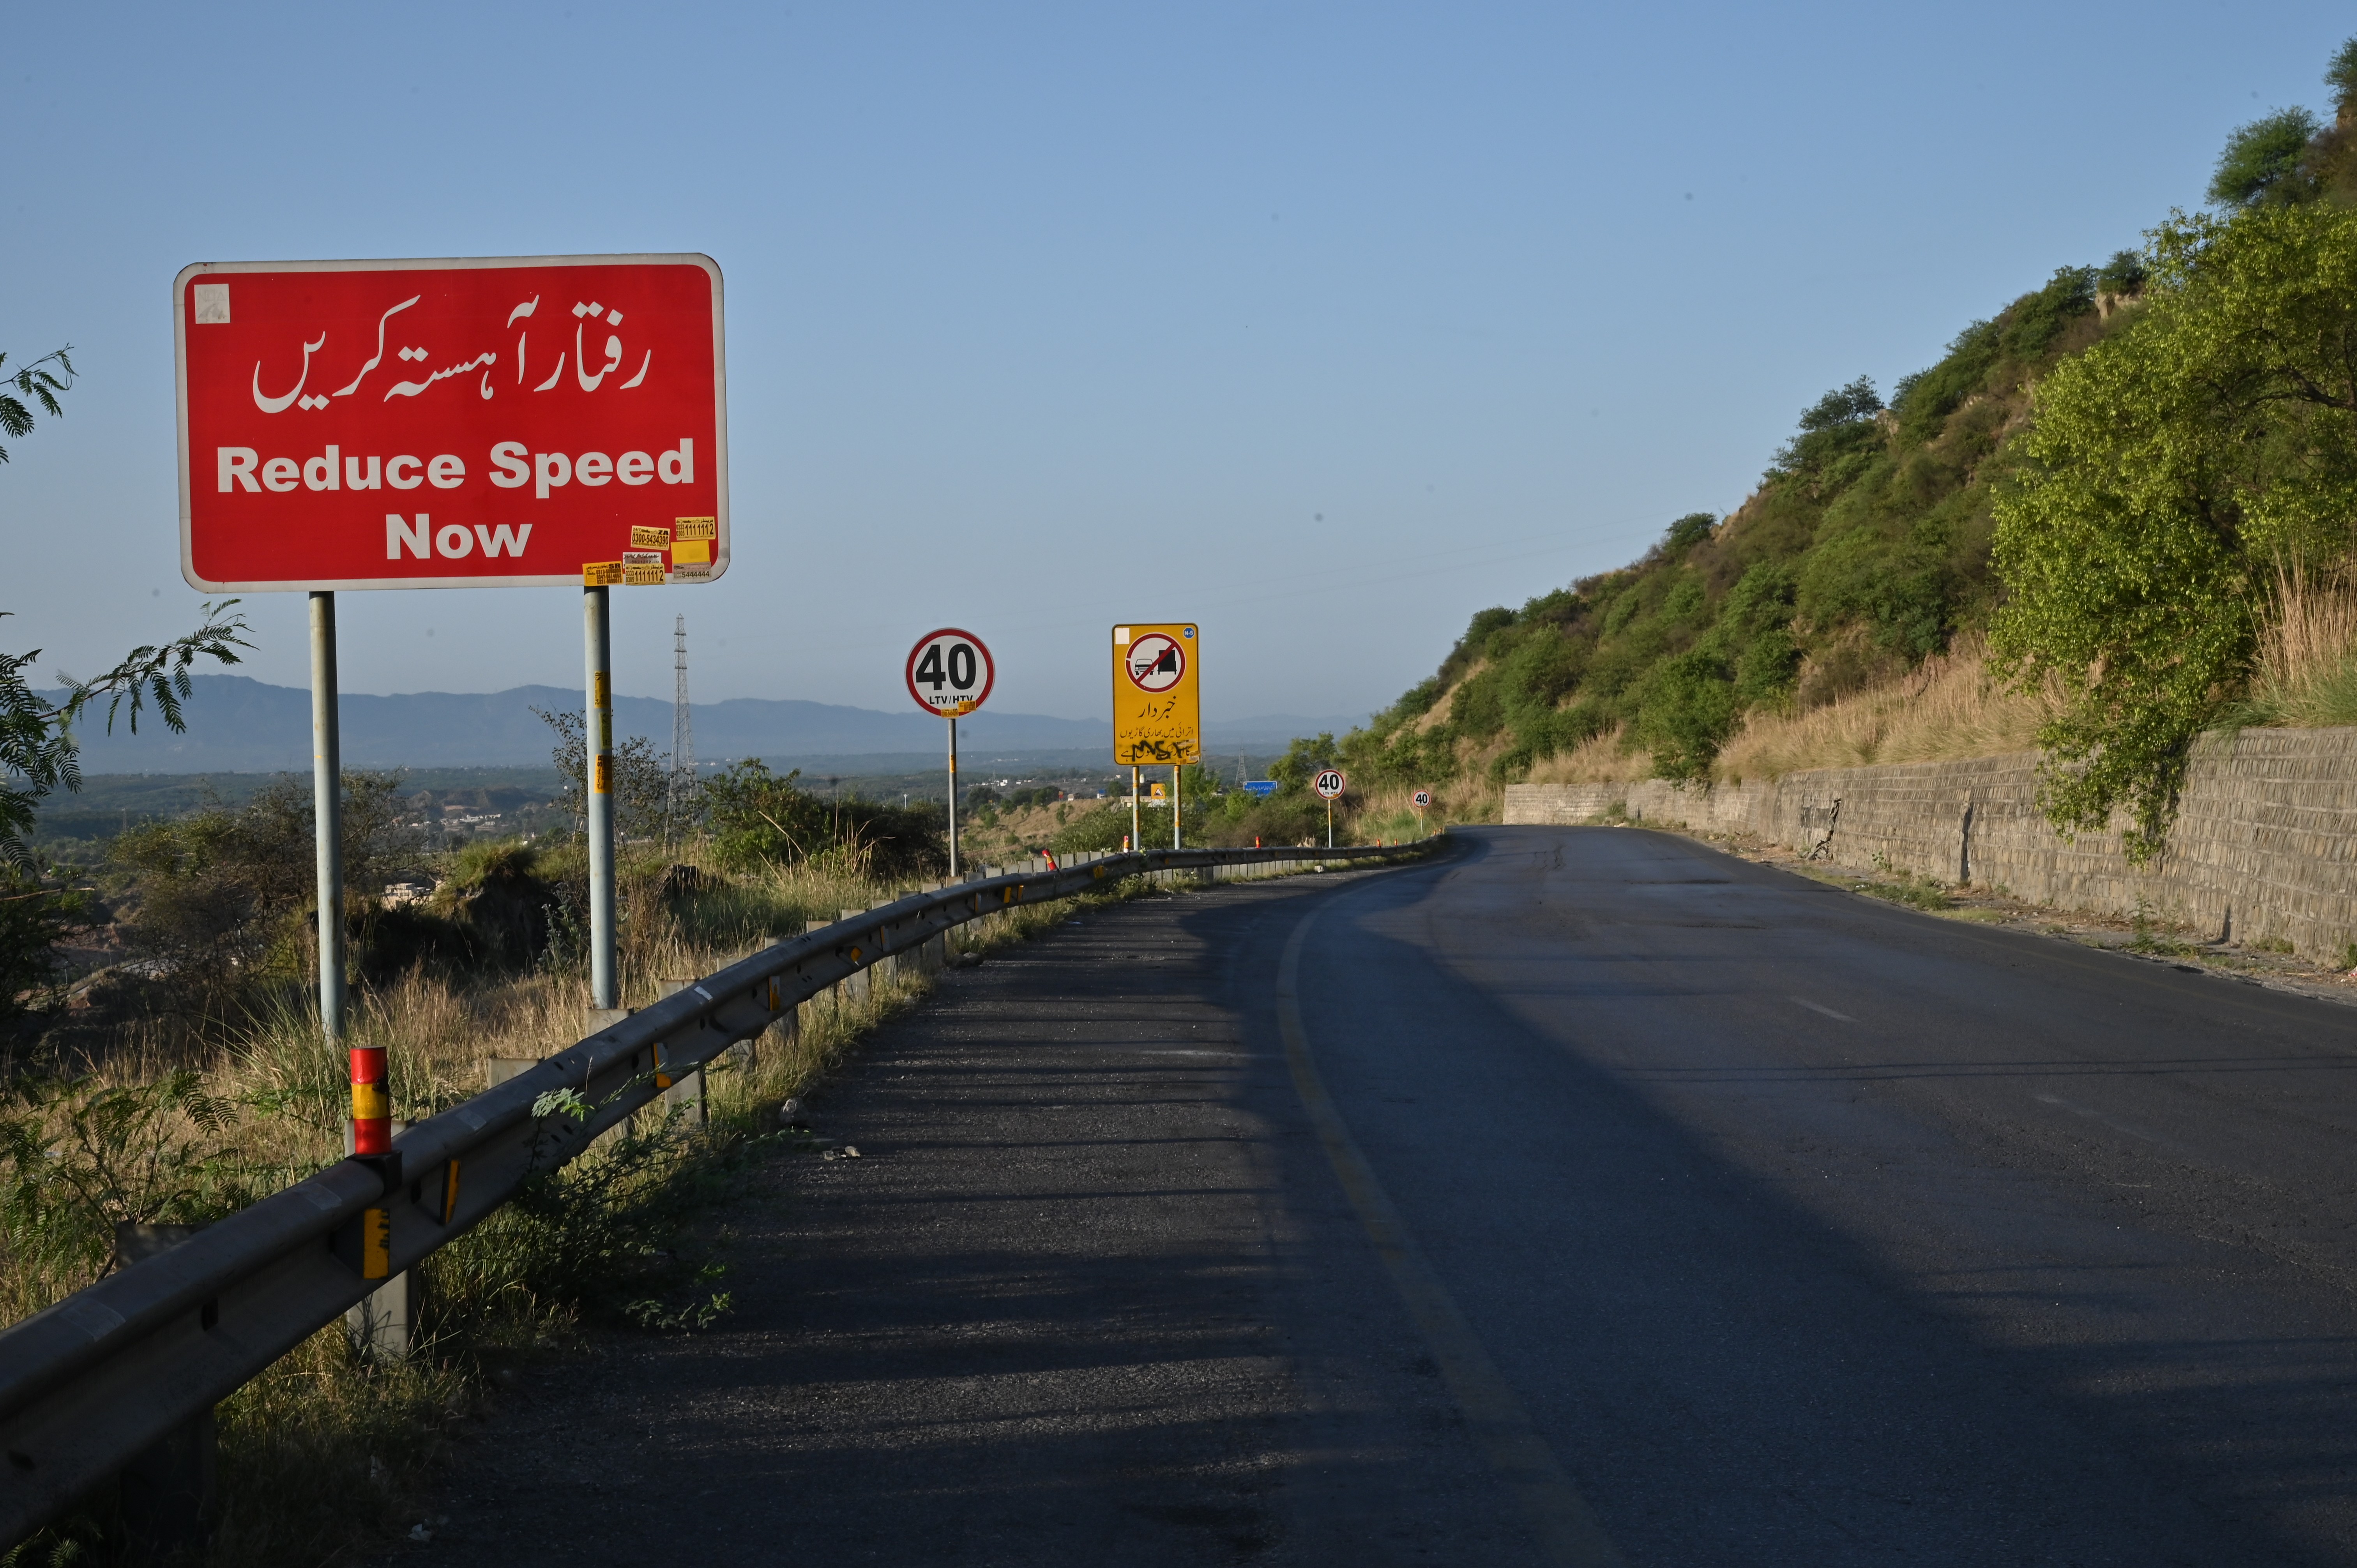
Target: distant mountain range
{"points": [[241, 725]]}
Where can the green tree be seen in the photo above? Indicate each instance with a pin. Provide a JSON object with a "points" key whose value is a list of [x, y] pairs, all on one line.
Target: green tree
{"points": [[2262, 162], [642, 794], [2168, 470], [2342, 74]]}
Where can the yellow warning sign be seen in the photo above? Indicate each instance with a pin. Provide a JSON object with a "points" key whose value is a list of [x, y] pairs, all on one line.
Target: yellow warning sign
{"points": [[1157, 711]]}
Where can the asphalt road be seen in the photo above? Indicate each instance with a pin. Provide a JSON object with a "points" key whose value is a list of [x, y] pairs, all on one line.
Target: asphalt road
{"points": [[1589, 1196]]}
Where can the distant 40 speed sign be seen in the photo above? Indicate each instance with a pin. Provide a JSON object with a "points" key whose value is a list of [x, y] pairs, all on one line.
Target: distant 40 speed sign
{"points": [[950, 672]]}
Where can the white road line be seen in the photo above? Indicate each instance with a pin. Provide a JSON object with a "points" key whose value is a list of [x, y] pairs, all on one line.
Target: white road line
{"points": [[1559, 1517], [1816, 1007]]}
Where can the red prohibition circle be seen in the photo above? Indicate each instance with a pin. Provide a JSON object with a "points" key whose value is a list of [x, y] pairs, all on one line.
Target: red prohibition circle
{"points": [[940, 677], [1341, 783], [1174, 657]]}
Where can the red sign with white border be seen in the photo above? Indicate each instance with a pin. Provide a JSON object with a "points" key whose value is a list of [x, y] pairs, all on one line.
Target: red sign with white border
{"points": [[470, 423]]}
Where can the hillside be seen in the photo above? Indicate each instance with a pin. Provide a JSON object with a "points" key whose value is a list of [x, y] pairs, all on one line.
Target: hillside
{"points": [[1864, 550], [2118, 512]]}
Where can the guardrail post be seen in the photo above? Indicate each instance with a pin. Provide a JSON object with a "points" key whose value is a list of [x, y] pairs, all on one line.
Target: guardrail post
{"points": [[853, 986], [934, 952], [381, 1322], [833, 993], [888, 966], [786, 1029], [687, 1091], [167, 1488]]}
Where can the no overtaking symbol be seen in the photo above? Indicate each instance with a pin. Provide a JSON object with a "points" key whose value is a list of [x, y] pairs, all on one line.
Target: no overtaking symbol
{"points": [[1156, 662]]}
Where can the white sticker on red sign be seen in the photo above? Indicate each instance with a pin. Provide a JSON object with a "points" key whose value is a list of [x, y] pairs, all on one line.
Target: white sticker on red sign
{"points": [[1329, 784], [950, 672], [1156, 662], [448, 424]]}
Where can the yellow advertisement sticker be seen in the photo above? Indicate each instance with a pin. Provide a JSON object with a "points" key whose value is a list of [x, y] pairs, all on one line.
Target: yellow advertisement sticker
{"points": [[690, 550], [600, 574], [643, 576], [645, 538], [698, 527]]}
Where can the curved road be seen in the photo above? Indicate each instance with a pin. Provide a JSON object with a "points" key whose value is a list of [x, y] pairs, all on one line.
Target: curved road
{"points": [[1588, 1196]]}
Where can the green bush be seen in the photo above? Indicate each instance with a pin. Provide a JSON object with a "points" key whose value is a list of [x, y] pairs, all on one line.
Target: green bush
{"points": [[757, 816], [2170, 470]]}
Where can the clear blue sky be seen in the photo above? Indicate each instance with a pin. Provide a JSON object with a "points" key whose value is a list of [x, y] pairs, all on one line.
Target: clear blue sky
{"points": [[1323, 325]]}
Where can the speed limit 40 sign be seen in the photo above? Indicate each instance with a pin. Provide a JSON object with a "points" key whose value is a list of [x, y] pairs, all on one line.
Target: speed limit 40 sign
{"points": [[1329, 784], [1421, 798], [950, 672]]}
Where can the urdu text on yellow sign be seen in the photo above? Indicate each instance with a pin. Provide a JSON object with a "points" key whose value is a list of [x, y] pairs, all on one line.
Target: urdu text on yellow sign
{"points": [[1157, 710]]}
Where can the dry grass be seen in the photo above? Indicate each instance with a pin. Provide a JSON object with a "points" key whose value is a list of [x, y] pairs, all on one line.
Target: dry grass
{"points": [[324, 1446], [1387, 813], [1599, 759], [1947, 708], [2306, 673]]}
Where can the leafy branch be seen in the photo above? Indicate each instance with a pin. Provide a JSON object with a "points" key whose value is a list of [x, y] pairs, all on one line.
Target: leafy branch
{"points": [[37, 738], [40, 385]]}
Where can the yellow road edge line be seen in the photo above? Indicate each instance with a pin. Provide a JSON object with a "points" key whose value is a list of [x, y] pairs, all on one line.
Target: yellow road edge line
{"points": [[1559, 1517]]}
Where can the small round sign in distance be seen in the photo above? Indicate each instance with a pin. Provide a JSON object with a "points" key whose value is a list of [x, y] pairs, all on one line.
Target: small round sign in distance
{"points": [[950, 672], [1329, 784], [1421, 798], [1154, 662]]}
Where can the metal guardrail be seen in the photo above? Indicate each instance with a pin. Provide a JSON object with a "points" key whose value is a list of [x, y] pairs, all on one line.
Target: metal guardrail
{"points": [[104, 1376]]}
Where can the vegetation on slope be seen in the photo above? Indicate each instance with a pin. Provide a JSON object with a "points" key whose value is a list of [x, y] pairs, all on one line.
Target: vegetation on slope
{"points": [[1864, 550], [2125, 478]]}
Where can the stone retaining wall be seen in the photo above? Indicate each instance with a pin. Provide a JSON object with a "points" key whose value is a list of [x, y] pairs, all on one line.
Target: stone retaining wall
{"points": [[2262, 848]]}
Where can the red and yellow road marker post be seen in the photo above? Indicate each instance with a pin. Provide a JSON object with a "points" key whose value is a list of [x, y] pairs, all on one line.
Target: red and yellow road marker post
{"points": [[373, 1146]]}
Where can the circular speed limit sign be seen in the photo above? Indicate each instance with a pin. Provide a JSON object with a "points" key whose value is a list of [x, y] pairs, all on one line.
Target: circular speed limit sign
{"points": [[1327, 784], [950, 672], [1421, 798], [1156, 662]]}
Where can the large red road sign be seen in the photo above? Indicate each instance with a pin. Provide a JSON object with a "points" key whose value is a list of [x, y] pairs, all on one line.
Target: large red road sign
{"points": [[451, 424]]}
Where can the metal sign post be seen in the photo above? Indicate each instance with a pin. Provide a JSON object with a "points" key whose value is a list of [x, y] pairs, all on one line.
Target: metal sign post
{"points": [[950, 672], [1176, 808], [1422, 798], [597, 783], [1329, 784], [328, 824]]}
